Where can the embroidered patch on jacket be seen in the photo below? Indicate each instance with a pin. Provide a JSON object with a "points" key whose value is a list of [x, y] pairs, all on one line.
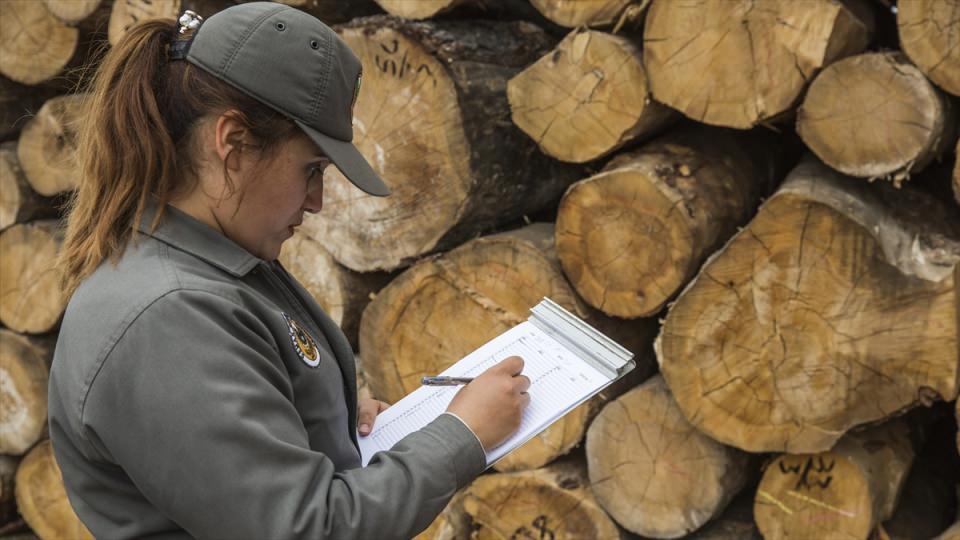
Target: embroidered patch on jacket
{"points": [[306, 348]]}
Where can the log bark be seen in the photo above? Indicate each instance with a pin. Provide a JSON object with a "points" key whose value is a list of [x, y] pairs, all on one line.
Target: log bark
{"points": [[23, 378], [35, 46], [342, 293], [839, 494], [552, 502], [490, 282], [870, 130], [126, 13], [42, 499], [31, 299], [632, 235], [927, 36], [47, 148], [927, 503], [576, 13], [433, 120], [586, 98], [8, 503], [834, 307], [652, 471], [72, 11], [18, 201], [18, 103], [733, 64]]}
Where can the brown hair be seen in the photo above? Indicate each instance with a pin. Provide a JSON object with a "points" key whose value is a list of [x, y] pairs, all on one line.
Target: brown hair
{"points": [[137, 141]]}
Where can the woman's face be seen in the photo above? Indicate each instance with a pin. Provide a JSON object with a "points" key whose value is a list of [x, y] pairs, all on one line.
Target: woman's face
{"points": [[272, 197]]}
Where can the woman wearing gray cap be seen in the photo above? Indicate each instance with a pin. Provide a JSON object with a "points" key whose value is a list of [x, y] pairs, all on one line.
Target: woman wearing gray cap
{"points": [[197, 389]]}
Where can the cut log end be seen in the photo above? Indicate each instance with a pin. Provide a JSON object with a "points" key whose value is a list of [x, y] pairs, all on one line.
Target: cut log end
{"points": [[926, 37], [652, 471], [23, 382], [868, 130], [48, 145], [72, 11], [803, 325], [35, 46], [575, 13], [586, 98], [31, 299], [41, 497]]}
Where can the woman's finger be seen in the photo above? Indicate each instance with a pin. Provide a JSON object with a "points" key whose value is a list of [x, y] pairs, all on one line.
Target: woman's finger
{"points": [[367, 410]]}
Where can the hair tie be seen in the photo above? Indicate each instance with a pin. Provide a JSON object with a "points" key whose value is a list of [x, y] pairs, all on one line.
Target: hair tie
{"points": [[187, 26]]}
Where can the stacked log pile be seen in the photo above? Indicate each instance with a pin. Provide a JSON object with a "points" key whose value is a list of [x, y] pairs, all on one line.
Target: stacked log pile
{"points": [[761, 200]]}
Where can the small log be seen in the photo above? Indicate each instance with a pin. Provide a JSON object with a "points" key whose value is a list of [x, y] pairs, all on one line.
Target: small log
{"points": [[576, 13], [8, 502], [839, 494], [35, 46], [47, 148], [552, 502], [490, 282], [834, 307], [871, 130], [926, 36], [586, 98], [434, 121], [31, 299], [72, 11], [23, 372], [725, 63], [341, 292], [953, 533], [18, 201], [42, 499], [652, 471], [632, 235], [422, 9], [126, 13]]}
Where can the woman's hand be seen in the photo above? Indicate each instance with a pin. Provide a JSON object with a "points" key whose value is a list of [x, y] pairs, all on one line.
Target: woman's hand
{"points": [[492, 405], [367, 411]]}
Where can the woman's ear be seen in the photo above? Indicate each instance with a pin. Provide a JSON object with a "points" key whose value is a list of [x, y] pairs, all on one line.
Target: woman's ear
{"points": [[231, 135]]}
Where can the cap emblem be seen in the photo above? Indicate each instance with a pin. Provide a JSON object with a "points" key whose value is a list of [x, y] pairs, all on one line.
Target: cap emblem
{"points": [[306, 348]]}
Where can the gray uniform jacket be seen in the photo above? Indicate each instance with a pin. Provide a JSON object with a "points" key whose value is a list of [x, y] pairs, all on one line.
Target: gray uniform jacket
{"points": [[197, 390]]}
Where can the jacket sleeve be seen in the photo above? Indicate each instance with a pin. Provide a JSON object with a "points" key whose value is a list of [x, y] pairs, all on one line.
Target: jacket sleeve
{"points": [[194, 404]]}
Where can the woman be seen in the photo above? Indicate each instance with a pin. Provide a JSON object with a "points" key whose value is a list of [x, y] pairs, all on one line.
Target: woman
{"points": [[197, 389]]}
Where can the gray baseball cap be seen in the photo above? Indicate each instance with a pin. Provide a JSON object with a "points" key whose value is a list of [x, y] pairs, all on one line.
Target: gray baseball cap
{"points": [[297, 65]]}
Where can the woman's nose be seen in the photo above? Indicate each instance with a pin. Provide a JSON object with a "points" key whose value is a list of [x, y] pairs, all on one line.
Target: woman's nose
{"points": [[314, 200]]}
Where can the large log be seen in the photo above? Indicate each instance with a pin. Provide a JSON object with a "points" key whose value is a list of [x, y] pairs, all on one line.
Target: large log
{"points": [[18, 201], [737, 63], [630, 236], [843, 493], [341, 292], [834, 307], [444, 307], [35, 46], [433, 120], [870, 130], [928, 36], [47, 148], [652, 471], [23, 377], [554, 502], [586, 98], [42, 499], [31, 299]]}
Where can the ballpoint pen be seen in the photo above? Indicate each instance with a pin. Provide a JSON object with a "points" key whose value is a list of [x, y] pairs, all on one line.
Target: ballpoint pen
{"points": [[441, 380]]}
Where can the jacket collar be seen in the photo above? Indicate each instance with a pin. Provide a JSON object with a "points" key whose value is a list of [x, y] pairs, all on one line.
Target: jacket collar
{"points": [[182, 231]]}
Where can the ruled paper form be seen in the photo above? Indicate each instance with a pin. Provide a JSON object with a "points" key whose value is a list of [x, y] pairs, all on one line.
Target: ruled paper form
{"points": [[559, 381]]}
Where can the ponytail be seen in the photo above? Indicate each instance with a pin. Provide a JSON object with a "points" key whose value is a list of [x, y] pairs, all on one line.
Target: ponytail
{"points": [[136, 142]]}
